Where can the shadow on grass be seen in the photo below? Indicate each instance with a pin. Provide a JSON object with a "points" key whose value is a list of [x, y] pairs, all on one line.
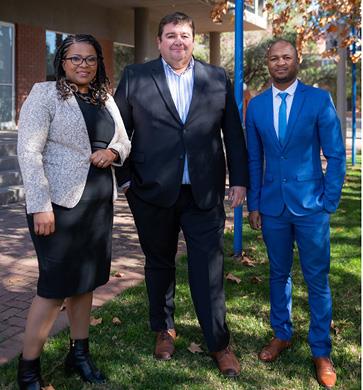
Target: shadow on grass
{"points": [[124, 352]]}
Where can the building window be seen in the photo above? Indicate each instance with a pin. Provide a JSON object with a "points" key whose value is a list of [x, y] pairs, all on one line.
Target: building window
{"points": [[122, 55], [7, 90], [261, 6], [250, 6], [255, 6], [52, 40]]}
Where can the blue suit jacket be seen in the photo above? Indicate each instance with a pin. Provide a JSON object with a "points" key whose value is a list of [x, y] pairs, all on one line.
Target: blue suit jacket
{"points": [[291, 174]]}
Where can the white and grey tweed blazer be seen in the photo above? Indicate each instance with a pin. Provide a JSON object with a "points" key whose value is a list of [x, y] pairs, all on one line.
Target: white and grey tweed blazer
{"points": [[54, 148]]}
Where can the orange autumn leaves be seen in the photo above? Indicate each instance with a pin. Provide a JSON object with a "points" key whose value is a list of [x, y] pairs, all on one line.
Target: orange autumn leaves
{"points": [[97, 321], [317, 20], [247, 262], [313, 20], [220, 8], [193, 347]]}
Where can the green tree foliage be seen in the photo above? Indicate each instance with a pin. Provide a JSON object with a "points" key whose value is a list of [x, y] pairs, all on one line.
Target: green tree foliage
{"points": [[314, 70], [123, 55], [201, 47]]}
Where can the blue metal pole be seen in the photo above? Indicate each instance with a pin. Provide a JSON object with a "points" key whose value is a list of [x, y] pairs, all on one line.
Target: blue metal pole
{"points": [[238, 91], [354, 101]]}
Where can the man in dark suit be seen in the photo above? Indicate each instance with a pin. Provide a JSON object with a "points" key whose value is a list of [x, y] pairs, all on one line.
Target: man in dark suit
{"points": [[174, 109], [291, 198]]}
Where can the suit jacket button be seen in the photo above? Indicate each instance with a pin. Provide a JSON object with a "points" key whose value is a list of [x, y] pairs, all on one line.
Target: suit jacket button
{"points": [[284, 180], [181, 157]]}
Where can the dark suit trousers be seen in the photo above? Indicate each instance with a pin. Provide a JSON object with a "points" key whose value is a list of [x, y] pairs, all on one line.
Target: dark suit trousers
{"points": [[158, 230]]}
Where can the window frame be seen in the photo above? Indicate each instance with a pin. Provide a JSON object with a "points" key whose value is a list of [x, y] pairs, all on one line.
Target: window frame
{"points": [[51, 77], [10, 124]]}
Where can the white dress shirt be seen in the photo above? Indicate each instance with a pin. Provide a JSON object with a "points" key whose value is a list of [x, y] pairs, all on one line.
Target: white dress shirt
{"points": [[276, 101]]}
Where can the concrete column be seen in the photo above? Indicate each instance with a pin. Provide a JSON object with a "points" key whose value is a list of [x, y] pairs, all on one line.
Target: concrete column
{"points": [[141, 34], [342, 91], [215, 48]]}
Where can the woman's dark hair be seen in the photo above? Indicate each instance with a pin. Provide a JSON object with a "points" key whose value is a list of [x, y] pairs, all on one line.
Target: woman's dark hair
{"points": [[99, 86]]}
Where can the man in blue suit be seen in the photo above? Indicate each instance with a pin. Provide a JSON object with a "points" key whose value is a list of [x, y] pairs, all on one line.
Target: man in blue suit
{"points": [[291, 199]]}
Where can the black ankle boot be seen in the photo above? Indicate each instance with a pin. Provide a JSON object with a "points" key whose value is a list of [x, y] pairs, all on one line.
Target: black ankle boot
{"points": [[79, 360], [29, 377]]}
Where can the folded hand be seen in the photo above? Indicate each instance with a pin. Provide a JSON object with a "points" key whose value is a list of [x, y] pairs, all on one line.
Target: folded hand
{"points": [[103, 158], [254, 218], [44, 223], [237, 195]]}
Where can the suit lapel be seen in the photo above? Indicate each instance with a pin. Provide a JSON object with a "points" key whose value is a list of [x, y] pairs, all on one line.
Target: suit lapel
{"points": [[200, 81], [72, 103], [159, 77], [270, 118], [297, 104]]}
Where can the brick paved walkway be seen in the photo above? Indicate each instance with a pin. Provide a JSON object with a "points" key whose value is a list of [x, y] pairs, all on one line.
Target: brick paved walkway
{"points": [[19, 271]]}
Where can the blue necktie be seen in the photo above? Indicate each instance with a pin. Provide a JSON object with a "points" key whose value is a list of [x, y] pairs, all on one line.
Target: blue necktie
{"points": [[282, 117]]}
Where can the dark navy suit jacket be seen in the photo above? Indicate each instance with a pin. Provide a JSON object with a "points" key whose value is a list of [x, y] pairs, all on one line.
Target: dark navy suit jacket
{"points": [[160, 140]]}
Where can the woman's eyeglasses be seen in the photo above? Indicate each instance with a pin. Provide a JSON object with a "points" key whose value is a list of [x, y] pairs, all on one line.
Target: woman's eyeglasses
{"points": [[78, 60]]}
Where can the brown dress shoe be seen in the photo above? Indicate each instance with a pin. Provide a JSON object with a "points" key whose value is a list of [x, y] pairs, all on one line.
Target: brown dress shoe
{"points": [[271, 351], [325, 372], [227, 362], [164, 347]]}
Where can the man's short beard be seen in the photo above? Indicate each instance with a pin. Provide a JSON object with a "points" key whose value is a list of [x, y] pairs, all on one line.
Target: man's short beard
{"points": [[287, 79]]}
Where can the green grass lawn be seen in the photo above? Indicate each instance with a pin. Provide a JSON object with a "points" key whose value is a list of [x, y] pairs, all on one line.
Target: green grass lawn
{"points": [[124, 351]]}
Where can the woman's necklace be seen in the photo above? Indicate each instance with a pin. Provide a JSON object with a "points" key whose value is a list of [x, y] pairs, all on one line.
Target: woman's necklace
{"points": [[86, 97]]}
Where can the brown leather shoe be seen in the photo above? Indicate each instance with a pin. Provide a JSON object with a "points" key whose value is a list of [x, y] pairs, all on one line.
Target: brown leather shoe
{"points": [[272, 351], [325, 372], [164, 347], [227, 362]]}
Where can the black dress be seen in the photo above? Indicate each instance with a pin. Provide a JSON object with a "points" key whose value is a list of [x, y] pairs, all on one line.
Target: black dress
{"points": [[77, 257]]}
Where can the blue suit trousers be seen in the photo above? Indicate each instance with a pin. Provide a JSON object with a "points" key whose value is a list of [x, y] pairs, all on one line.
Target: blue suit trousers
{"points": [[312, 236]]}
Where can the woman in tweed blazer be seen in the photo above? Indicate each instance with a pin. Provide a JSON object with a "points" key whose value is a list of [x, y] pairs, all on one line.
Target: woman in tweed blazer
{"points": [[70, 136]]}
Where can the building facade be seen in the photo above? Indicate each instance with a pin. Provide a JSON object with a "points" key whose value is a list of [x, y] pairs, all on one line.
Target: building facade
{"points": [[31, 30]]}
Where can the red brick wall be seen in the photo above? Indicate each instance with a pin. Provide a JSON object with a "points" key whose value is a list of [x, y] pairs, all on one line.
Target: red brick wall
{"points": [[30, 65], [107, 50], [30, 60]]}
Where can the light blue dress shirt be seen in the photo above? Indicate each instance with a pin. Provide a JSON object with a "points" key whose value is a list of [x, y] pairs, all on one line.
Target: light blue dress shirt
{"points": [[181, 90]]}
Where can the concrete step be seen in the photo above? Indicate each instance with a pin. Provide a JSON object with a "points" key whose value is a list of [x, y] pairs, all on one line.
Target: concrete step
{"points": [[8, 135], [11, 189], [7, 148], [11, 194], [10, 178], [9, 163]]}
